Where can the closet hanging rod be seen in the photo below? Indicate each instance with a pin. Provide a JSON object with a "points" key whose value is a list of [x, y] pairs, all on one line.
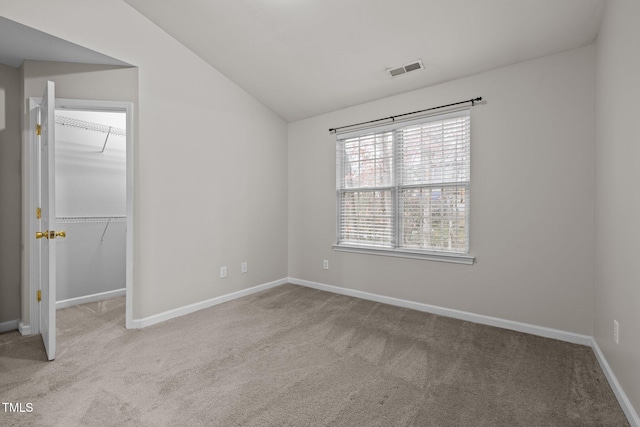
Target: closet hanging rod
{"points": [[90, 126]]}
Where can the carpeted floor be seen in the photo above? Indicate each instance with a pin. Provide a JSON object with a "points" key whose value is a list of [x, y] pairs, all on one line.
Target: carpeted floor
{"points": [[300, 357]]}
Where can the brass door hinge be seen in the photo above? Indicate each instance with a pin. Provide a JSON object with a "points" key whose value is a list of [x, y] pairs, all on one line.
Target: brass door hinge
{"points": [[38, 130], [38, 213], [39, 296]]}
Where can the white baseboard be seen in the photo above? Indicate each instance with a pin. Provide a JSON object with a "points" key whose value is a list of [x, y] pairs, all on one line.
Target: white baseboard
{"points": [[90, 298], [24, 329], [187, 309], [624, 401], [9, 326], [456, 314]]}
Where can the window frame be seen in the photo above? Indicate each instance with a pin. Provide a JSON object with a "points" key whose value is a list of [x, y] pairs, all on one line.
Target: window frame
{"points": [[395, 188]]}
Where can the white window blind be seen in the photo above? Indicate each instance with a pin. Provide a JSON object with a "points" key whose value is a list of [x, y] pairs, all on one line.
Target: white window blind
{"points": [[406, 186]]}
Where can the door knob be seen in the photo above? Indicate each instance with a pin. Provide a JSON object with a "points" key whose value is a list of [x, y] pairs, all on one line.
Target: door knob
{"points": [[50, 234]]}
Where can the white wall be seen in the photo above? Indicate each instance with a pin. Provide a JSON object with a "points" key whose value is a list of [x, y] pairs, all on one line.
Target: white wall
{"points": [[90, 182], [91, 259], [531, 199], [9, 194], [210, 161], [617, 284]]}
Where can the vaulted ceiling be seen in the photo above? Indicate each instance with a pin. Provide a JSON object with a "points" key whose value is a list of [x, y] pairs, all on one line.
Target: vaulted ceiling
{"points": [[302, 58]]}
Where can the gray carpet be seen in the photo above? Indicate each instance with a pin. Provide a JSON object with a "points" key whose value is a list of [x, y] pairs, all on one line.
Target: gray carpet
{"points": [[300, 357]]}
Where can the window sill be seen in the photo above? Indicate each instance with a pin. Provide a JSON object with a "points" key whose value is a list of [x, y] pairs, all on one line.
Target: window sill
{"points": [[430, 256]]}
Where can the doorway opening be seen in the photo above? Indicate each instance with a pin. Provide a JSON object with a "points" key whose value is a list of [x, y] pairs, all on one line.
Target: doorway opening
{"points": [[90, 185], [94, 225]]}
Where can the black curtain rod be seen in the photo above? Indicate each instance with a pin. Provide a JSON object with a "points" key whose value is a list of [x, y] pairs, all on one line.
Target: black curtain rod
{"points": [[393, 118]]}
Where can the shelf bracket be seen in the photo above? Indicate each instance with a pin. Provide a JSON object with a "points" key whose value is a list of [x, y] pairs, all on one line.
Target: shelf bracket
{"points": [[106, 139]]}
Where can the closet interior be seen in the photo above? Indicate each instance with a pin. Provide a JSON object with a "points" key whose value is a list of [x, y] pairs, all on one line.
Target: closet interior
{"points": [[90, 186]]}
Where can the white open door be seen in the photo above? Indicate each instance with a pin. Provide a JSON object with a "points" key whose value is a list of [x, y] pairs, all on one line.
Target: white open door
{"points": [[47, 233]]}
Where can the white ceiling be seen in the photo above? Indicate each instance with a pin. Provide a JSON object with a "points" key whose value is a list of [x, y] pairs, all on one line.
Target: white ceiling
{"points": [[19, 42], [302, 58]]}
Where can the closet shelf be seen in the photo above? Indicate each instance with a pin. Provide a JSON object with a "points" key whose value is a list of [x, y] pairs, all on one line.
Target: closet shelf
{"points": [[90, 126], [90, 219]]}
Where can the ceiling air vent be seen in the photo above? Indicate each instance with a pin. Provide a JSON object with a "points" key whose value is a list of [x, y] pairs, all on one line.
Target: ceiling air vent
{"points": [[413, 66]]}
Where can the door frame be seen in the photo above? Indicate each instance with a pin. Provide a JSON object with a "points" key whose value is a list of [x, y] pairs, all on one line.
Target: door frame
{"points": [[30, 197]]}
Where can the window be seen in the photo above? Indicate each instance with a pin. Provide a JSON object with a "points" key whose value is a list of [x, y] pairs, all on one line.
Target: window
{"points": [[403, 189]]}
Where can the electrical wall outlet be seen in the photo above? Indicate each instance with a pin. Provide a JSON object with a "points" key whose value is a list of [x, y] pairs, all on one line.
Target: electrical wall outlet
{"points": [[616, 331], [325, 264], [223, 272], [244, 267]]}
